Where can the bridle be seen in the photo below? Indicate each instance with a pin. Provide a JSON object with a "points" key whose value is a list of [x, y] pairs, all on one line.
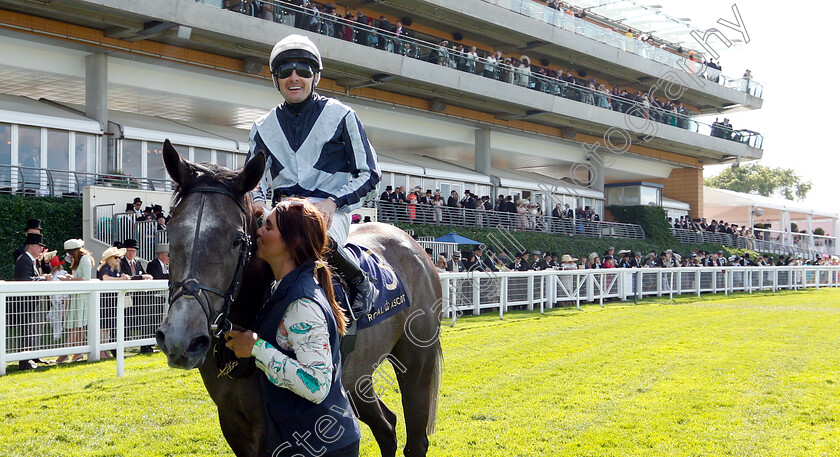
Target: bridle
{"points": [[191, 287]]}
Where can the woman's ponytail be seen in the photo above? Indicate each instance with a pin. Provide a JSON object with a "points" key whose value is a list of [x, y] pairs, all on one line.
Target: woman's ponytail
{"points": [[324, 276]]}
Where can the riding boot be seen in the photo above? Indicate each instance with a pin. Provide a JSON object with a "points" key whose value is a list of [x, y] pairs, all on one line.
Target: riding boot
{"points": [[362, 290]]}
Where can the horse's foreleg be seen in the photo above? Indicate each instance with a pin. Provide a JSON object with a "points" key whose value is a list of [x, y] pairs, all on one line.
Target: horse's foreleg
{"points": [[381, 420], [244, 440]]}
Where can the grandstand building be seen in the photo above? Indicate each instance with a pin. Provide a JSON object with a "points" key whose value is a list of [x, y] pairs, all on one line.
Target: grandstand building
{"points": [[90, 89]]}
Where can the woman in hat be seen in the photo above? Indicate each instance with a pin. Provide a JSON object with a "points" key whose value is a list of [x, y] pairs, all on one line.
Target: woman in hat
{"points": [[58, 303], [567, 262], [109, 270], [75, 317]]}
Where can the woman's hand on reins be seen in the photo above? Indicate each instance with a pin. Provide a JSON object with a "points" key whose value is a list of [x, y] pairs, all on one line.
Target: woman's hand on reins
{"points": [[241, 342]]}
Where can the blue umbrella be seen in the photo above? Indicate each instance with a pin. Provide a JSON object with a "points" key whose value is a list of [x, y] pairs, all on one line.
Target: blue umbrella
{"points": [[455, 238]]}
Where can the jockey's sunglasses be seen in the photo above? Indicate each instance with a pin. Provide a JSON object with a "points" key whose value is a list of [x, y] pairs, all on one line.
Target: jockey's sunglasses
{"points": [[303, 69]]}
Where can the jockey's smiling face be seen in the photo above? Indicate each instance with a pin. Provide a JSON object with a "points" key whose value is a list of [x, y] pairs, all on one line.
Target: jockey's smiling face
{"points": [[296, 81]]}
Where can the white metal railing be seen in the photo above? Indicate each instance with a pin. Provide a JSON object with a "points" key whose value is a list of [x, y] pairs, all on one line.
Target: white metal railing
{"points": [[475, 292], [807, 245], [111, 226], [43, 319], [55, 318]]}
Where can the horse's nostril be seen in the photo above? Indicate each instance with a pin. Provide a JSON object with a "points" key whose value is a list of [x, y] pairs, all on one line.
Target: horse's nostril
{"points": [[199, 344], [161, 340]]}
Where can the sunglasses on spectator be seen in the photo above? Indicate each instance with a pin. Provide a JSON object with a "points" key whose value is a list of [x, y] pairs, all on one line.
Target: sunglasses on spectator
{"points": [[304, 70]]}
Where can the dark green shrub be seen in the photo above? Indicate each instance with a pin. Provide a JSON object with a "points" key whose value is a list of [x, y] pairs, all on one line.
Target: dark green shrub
{"points": [[61, 219], [653, 220]]}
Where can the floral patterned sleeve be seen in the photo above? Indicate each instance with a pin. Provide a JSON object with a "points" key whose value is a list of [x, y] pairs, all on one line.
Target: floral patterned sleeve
{"points": [[304, 331]]}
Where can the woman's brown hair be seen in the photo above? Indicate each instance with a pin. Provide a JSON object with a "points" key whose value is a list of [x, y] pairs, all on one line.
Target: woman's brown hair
{"points": [[76, 257], [305, 234]]}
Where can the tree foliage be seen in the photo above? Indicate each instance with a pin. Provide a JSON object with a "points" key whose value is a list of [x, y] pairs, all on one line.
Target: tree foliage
{"points": [[760, 180]]}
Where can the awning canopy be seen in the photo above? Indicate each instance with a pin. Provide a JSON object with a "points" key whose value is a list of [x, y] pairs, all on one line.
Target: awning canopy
{"points": [[26, 111], [736, 206]]}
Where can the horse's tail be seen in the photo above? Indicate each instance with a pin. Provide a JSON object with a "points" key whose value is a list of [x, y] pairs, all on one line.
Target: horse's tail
{"points": [[434, 388]]}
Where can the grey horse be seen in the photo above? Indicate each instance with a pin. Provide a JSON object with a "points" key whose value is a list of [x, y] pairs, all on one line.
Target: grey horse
{"points": [[208, 236]]}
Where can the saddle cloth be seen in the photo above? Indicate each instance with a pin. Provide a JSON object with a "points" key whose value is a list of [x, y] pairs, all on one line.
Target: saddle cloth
{"points": [[392, 296]]}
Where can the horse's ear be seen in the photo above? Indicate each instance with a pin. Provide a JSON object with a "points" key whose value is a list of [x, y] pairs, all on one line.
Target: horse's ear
{"points": [[178, 168], [252, 173]]}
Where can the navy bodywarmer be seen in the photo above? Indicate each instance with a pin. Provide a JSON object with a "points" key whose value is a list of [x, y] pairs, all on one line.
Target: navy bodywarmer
{"points": [[295, 425]]}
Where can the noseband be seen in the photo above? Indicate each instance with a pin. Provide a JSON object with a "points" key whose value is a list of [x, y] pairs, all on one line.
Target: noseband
{"points": [[191, 287]]}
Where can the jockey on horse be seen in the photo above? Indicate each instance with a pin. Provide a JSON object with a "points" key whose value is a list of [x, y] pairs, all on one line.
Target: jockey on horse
{"points": [[317, 149]]}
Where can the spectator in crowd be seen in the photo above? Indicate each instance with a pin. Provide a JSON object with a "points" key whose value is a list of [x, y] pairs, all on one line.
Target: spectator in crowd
{"points": [[567, 262], [58, 302], [76, 315], [594, 261], [437, 207], [159, 267], [519, 263], [109, 270], [24, 310], [32, 226], [137, 208], [490, 262], [440, 264], [430, 252], [455, 264], [537, 262]]}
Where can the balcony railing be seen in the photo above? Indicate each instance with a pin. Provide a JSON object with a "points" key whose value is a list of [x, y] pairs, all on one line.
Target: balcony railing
{"points": [[43, 182], [618, 40], [410, 213], [809, 246], [570, 87]]}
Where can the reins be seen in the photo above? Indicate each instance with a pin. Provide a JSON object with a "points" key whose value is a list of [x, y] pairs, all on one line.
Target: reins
{"points": [[191, 287]]}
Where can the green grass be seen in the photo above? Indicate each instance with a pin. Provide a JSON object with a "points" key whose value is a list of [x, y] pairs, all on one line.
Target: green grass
{"points": [[741, 375]]}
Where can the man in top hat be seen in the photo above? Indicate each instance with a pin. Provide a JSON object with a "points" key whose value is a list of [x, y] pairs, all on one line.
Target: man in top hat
{"points": [[430, 253], [23, 313], [388, 199], [137, 207], [32, 226], [478, 264], [130, 264]]}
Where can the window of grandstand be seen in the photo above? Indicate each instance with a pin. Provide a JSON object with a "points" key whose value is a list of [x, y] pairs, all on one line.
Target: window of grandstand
{"points": [[634, 193], [5, 154]]}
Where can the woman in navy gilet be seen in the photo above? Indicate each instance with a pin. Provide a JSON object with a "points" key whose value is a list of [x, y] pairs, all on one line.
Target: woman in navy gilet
{"points": [[296, 340]]}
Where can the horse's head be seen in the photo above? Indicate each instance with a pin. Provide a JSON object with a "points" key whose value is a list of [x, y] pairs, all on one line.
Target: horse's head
{"points": [[209, 244]]}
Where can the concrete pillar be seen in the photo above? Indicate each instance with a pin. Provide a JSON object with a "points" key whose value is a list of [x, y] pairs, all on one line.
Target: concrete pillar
{"points": [[96, 105], [483, 156], [596, 175]]}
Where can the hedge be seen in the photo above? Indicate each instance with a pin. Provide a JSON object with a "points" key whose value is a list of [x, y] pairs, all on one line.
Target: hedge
{"points": [[61, 219], [653, 220], [577, 246]]}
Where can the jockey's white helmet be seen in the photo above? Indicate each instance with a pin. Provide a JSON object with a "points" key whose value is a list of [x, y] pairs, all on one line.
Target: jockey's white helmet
{"points": [[295, 47]]}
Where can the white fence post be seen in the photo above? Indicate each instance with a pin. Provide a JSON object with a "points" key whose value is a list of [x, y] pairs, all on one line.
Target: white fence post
{"points": [[93, 325], [503, 294], [3, 299], [120, 333]]}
